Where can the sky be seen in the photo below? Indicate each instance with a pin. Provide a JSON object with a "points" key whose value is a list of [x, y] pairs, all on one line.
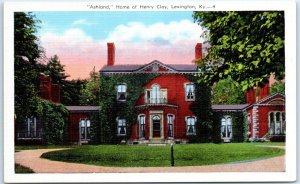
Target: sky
{"points": [[80, 38]]}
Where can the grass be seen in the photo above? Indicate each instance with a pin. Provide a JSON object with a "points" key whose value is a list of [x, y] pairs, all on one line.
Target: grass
{"points": [[21, 169], [146, 156]]}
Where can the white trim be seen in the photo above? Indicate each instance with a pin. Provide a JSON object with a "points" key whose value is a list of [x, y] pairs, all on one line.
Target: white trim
{"points": [[185, 92], [186, 124]]}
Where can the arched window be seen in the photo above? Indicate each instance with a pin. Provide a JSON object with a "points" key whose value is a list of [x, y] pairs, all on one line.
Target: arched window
{"points": [[142, 123], [226, 127], [277, 123], [85, 126], [155, 94]]}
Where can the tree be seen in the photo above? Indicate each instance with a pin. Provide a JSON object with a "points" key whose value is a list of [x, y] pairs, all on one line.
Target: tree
{"points": [[26, 54], [89, 93], [248, 46], [56, 70], [277, 87], [227, 91]]}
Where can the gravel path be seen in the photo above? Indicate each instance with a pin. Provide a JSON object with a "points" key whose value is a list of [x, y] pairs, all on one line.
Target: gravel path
{"points": [[31, 159]]}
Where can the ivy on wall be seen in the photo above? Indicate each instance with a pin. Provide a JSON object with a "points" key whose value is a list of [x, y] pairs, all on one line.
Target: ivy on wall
{"points": [[53, 117], [202, 109], [110, 108]]}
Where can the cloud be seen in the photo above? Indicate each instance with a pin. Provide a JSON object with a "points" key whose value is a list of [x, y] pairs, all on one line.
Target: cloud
{"points": [[173, 31], [78, 51], [136, 43], [82, 22]]}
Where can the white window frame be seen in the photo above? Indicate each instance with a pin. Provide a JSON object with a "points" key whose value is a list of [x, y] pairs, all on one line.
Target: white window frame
{"points": [[282, 123], [187, 125], [170, 122], [156, 95], [85, 123], [226, 118], [31, 132], [120, 90], [186, 92], [119, 127], [142, 125]]}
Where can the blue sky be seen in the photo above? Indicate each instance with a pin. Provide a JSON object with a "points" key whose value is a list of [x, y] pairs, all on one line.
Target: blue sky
{"points": [[79, 38], [99, 24]]}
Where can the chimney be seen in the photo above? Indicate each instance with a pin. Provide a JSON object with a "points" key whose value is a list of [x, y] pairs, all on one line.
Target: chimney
{"points": [[264, 91], [198, 51], [110, 54]]}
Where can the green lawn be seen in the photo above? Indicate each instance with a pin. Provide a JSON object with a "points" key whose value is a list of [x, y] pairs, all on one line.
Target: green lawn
{"points": [[146, 156]]}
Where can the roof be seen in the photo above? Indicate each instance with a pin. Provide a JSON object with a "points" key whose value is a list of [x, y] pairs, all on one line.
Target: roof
{"points": [[238, 107], [170, 68], [82, 108]]}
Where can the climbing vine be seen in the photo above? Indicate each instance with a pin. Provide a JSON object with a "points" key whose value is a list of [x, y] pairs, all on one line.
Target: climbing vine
{"points": [[110, 108]]}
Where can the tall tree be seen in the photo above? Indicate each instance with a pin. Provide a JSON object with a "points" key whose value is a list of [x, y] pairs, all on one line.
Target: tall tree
{"points": [[26, 54], [248, 46], [227, 91], [89, 93], [56, 70]]}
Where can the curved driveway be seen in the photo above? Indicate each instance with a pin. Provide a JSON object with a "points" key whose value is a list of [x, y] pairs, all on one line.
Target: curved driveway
{"points": [[31, 159]]}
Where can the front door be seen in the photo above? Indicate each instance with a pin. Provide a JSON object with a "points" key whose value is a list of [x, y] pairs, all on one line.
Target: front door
{"points": [[156, 125]]}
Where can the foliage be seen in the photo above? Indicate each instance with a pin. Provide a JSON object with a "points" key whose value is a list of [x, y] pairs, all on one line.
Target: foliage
{"points": [[277, 87], [26, 54], [53, 117], [89, 92], [147, 156], [110, 108], [21, 169], [202, 109], [71, 92], [238, 127], [227, 91], [248, 46]]}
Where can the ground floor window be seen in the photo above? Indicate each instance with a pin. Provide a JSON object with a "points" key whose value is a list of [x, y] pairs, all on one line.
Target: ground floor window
{"points": [[277, 123], [142, 123], [226, 127], [171, 118], [85, 129], [190, 125], [121, 126], [31, 128]]}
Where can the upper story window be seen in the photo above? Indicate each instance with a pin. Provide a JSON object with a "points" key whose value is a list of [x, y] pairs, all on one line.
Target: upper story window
{"points": [[226, 127], [142, 124], [121, 92], [171, 118], [277, 123], [156, 95], [190, 125], [121, 127], [189, 92]]}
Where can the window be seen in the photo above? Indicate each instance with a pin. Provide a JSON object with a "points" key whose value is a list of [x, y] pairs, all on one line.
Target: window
{"points": [[142, 123], [189, 92], [121, 92], [85, 125], [226, 127], [121, 126], [156, 95], [191, 125], [170, 125], [277, 123]]}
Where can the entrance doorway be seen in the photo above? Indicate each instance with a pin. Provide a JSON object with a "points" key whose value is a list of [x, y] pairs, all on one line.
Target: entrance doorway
{"points": [[156, 126]]}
